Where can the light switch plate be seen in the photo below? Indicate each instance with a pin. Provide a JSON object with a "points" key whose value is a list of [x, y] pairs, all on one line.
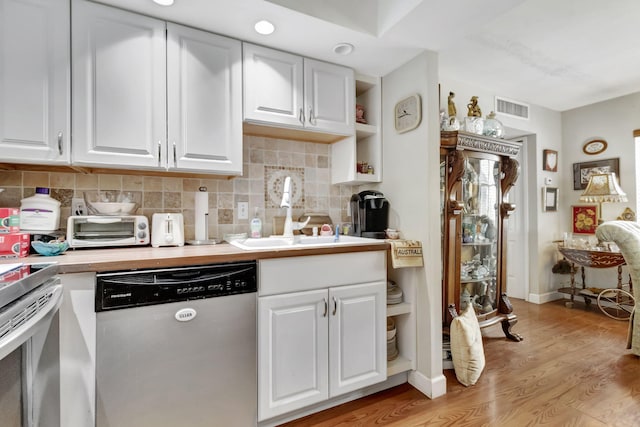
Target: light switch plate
{"points": [[243, 210]]}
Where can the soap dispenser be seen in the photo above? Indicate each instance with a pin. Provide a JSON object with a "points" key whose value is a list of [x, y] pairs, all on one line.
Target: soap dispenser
{"points": [[256, 226]]}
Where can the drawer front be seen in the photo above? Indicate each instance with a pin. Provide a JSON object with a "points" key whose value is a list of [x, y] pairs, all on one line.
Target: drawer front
{"points": [[283, 275]]}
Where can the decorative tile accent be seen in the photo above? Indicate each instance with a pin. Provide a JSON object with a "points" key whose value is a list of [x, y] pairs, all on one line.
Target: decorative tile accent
{"points": [[274, 177]]}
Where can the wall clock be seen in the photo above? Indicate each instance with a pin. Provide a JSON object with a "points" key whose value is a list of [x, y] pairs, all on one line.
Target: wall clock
{"points": [[408, 113], [595, 146]]}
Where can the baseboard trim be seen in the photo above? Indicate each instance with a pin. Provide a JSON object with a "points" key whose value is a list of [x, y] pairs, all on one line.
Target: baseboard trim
{"points": [[544, 298], [430, 387]]}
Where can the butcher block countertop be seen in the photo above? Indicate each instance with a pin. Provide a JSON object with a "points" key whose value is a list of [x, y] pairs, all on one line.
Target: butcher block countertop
{"points": [[113, 259]]}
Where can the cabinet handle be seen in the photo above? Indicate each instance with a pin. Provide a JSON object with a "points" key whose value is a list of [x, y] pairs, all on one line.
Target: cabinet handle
{"points": [[159, 153], [312, 119], [326, 308], [60, 143], [335, 306], [175, 156], [301, 115]]}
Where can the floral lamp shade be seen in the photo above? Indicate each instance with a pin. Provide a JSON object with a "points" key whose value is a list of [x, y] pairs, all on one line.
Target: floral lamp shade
{"points": [[602, 188]]}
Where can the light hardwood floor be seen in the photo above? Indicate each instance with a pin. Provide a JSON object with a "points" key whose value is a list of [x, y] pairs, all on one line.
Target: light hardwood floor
{"points": [[572, 369]]}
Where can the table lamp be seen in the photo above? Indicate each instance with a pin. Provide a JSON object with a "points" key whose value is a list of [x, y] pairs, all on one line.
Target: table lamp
{"points": [[603, 187]]}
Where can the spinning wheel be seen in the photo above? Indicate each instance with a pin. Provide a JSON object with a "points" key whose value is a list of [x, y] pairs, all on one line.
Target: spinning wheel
{"points": [[616, 303]]}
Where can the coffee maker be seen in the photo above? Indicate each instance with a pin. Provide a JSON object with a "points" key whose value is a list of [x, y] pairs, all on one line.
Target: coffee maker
{"points": [[369, 214]]}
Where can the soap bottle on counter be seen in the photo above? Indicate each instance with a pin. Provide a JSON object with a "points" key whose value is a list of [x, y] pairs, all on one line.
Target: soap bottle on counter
{"points": [[39, 212], [256, 226]]}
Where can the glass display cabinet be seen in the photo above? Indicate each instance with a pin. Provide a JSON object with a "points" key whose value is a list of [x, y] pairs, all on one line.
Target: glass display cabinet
{"points": [[476, 174]]}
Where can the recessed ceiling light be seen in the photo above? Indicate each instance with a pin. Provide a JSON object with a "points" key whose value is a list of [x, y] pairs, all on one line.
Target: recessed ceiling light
{"points": [[343, 48], [163, 2], [264, 27]]}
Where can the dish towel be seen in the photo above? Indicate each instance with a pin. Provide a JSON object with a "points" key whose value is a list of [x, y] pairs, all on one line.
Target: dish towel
{"points": [[406, 253]]}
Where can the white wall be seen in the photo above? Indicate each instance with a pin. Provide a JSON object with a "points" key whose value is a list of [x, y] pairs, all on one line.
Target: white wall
{"points": [[411, 184], [614, 121], [544, 131]]}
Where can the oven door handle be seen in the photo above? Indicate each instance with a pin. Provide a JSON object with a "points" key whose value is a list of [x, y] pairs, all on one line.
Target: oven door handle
{"points": [[104, 220], [33, 325]]}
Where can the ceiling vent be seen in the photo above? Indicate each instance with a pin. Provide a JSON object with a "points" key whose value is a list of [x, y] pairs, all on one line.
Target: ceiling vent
{"points": [[512, 108]]}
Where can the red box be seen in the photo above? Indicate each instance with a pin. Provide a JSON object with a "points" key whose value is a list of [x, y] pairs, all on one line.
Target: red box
{"points": [[9, 220], [15, 274], [14, 245]]}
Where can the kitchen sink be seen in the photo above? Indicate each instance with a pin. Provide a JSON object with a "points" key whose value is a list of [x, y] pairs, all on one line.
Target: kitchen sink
{"points": [[281, 242]]}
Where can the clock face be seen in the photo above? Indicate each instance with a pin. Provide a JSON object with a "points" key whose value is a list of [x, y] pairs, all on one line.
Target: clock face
{"points": [[596, 146], [408, 113]]}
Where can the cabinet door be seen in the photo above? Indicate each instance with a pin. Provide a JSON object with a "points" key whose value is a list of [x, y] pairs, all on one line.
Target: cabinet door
{"points": [[119, 87], [204, 86], [34, 81], [357, 336], [292, 352], [329, 95], [273, 86]]}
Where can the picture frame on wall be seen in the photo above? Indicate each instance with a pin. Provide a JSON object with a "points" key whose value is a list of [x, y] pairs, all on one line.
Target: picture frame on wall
{"points": [[550, 160], [584, 219], [582, 171], [549, 199]]}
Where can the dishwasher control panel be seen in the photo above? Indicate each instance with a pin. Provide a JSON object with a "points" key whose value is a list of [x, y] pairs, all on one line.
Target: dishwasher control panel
{"points": [[125, 289]]}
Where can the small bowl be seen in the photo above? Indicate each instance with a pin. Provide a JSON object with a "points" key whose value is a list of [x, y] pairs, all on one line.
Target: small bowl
{"points": [[112, 202], [51, 248], [392, 234]]}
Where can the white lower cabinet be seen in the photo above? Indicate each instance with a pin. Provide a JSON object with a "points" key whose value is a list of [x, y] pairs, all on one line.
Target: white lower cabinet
{"points": [[293, 341], [319, 343]]}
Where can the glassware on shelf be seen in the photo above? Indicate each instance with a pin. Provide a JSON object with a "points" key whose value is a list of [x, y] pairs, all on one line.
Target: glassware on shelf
{"points": [[474, 125], [493, 127]]}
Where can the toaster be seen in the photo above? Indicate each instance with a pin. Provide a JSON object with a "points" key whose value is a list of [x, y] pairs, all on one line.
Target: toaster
{"points": [[167, 229]]}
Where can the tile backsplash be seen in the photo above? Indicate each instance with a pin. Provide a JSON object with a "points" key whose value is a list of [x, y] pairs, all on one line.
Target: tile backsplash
{"points": [[267, 162]]}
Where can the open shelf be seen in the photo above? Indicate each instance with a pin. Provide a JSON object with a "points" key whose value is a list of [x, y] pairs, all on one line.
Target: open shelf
{"points": [[400, 364], [397, 309], [366, 144]]}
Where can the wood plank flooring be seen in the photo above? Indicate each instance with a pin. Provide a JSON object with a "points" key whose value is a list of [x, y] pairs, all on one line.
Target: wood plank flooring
{"points": [[572, 369]]}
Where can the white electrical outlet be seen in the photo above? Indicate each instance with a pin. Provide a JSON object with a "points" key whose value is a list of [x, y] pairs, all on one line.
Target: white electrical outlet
{"points": [[78, 207], [243, 210]]}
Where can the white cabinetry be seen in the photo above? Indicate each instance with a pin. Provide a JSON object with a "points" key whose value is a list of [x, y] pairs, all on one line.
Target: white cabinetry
{"points": [[319, 335], [152, 95], [286, 90], [204, 101], [34, 81], [366, 145]]}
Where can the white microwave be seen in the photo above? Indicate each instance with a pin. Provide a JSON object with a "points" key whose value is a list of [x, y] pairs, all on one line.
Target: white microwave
{"points": [[107, 231]]}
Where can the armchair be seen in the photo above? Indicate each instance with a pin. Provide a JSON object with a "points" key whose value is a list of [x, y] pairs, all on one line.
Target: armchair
{"points": [[626, 234]]}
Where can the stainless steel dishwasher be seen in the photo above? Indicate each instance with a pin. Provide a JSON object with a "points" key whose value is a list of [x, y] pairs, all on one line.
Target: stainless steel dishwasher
{"points": [[177, 347]]}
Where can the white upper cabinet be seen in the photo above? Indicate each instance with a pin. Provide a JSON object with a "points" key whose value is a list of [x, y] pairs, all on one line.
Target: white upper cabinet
{"points": [[282, 89], [119, 95], [154, 95], [328, 94], [34, 81], [204, 84], [273, 86]]}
